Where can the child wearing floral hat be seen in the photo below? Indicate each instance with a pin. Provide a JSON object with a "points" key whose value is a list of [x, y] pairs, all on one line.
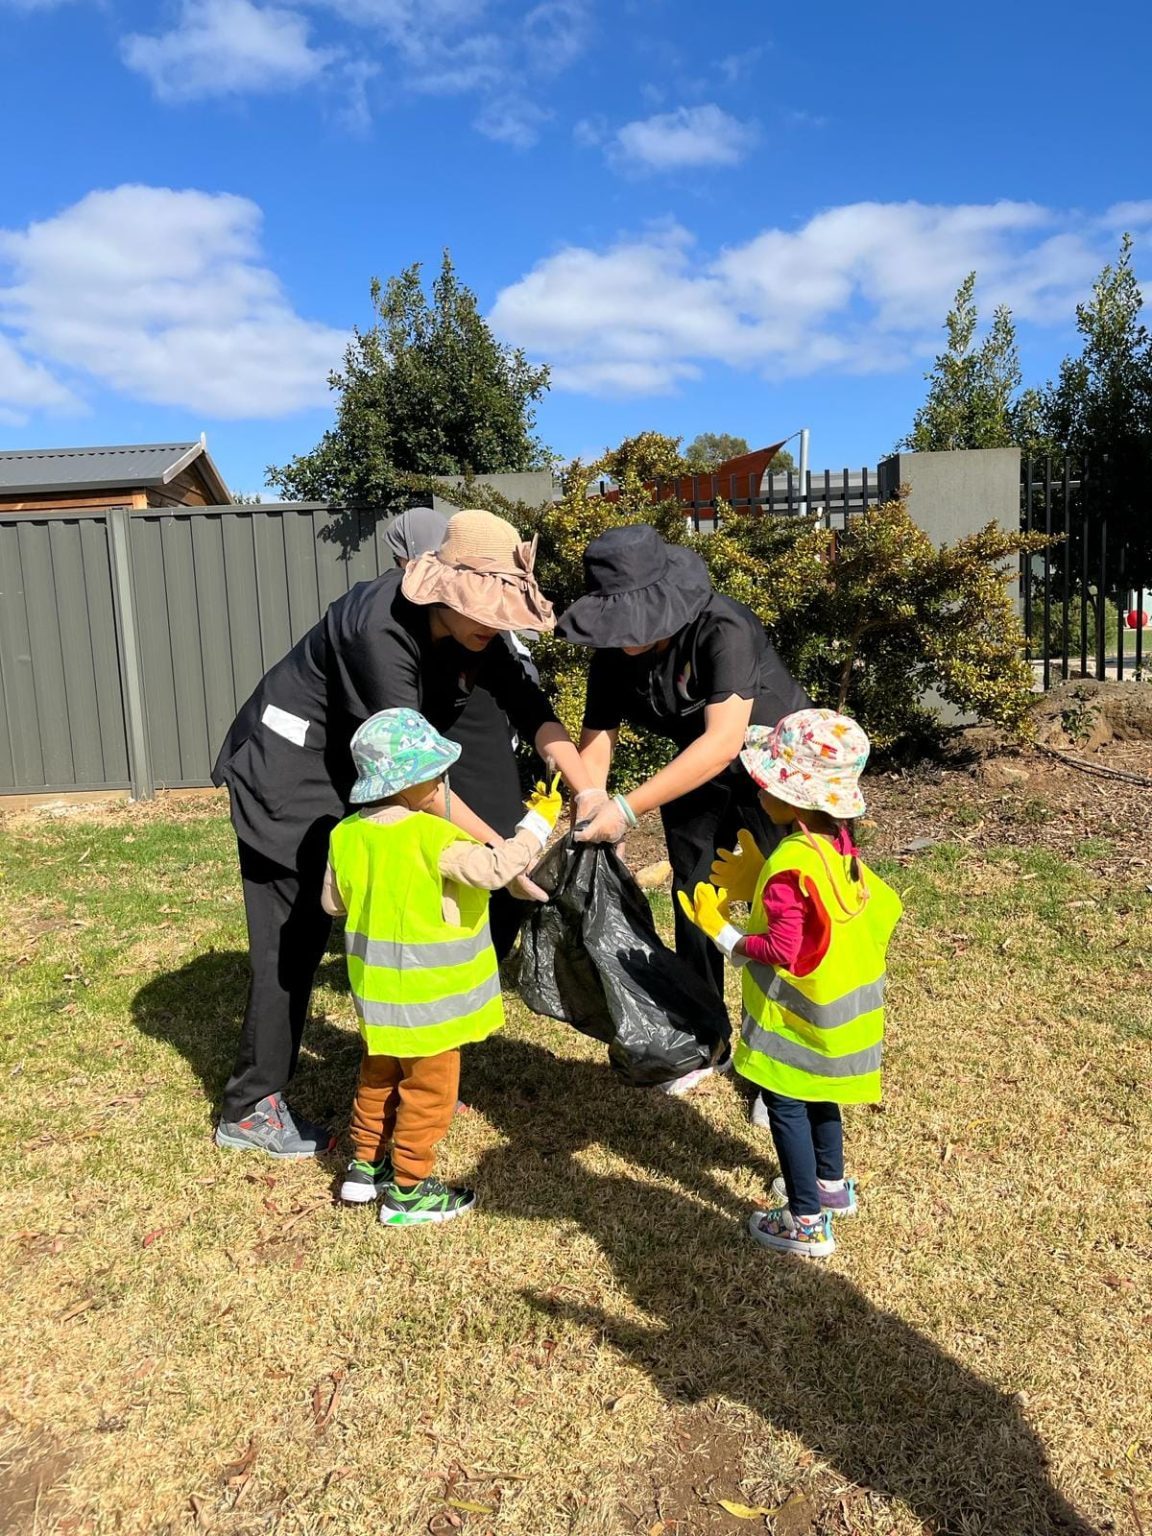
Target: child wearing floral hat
{"points": [[812, 961], [413, 890]]}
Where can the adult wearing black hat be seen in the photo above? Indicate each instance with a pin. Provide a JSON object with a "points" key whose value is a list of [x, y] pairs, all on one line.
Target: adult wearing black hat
{"points": [[676, 658]]}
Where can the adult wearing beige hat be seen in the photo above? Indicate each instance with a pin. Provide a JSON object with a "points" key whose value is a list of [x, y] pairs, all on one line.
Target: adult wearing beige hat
{"points": [[420, 638]]}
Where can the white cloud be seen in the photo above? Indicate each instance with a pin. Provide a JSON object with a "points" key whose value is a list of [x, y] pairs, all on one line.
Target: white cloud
{"points": [[227, 47], [512, 121], [424, 47], [163, 296], [859, 288], [689, 138], [27, 386]]}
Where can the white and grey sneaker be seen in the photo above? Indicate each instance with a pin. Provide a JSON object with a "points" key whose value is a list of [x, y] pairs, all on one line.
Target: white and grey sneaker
{"points": [[271, 1127]]}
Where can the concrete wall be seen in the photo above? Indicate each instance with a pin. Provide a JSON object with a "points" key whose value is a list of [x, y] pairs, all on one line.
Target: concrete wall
{"points": [[534, 487], [953, 494]]}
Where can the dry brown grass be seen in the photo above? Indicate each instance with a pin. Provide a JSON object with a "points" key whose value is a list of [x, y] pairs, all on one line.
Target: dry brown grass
{"points": [[194, 1341]]}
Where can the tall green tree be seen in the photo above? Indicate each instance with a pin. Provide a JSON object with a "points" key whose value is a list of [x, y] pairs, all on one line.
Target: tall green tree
{"points": [[425, 390], [971, 389], [1100, 412]]}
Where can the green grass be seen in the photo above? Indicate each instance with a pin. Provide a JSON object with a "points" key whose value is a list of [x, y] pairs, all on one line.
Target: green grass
{"points": [[199, 1341]]}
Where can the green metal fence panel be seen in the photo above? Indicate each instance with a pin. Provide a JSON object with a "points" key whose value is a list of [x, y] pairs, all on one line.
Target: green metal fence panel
{"points": [[60, 680], [196, 603]]}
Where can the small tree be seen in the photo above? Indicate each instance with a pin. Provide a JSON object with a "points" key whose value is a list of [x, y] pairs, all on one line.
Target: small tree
{"points": [[971, 390], [426, 389]]}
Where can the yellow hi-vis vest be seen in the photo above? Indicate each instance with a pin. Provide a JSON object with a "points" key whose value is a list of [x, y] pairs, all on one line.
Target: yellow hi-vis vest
{"points": [[421, 985], [820, 1037]]}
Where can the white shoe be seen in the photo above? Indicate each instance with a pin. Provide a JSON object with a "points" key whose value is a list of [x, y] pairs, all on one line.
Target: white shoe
{"points": [[758, 1114], [679, 1086]]}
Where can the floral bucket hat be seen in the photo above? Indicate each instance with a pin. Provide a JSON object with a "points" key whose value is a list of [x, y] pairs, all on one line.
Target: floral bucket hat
{"points": [[812, 759], [394, 750]]}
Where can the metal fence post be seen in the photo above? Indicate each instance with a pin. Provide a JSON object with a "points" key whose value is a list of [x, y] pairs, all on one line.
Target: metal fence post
{"points": [[128, 639]]}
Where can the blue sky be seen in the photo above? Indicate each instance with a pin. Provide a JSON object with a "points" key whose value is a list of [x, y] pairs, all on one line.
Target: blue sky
{"points": [[737, 217]]}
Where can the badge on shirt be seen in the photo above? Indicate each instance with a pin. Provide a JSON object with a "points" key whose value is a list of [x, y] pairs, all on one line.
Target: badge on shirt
{"points": [[293, 728]]}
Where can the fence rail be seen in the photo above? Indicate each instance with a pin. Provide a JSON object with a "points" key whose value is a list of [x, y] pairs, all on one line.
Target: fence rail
{"points": [[1079, 609]]}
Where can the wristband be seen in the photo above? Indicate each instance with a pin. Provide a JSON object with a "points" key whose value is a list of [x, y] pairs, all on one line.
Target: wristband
{"points": [[629, 813], [727, 939], [539, 826]]}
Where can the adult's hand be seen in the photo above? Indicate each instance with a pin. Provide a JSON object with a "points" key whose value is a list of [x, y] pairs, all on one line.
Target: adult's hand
{"points": [[608, 825], [586, 803]]}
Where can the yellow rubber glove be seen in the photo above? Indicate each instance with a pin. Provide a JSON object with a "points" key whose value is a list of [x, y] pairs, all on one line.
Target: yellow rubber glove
{"points": [[738, 872], [545, 801], [708, 909]]}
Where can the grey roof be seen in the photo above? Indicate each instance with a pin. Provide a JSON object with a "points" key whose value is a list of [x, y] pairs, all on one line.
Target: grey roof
{"points": [[41, 471]]}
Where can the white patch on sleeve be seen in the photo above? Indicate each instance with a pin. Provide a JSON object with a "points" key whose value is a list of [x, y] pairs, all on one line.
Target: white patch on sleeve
{"points": [[292, 727]]}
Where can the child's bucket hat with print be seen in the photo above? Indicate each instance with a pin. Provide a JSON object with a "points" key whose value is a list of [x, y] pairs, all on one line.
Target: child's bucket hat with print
{"points": [[812, 759], [394, 750]]}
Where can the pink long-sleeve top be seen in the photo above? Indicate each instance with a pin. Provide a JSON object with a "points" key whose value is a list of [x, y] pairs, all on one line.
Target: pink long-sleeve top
{"points": [[798, 926]]}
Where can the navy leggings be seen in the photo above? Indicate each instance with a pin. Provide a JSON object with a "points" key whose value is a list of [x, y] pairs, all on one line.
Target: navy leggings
{"points": [[809, 1142]]}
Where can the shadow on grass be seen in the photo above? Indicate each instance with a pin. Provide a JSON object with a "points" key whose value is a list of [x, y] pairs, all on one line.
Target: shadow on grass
{"points": [[199, 1010], [794, 1341]]}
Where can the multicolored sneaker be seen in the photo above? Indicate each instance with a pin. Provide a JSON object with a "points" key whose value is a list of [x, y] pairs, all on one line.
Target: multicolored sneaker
{"points": [[365, 1182], [780, 1230], [429, 1201], [837, 1202], [271, 1127]]}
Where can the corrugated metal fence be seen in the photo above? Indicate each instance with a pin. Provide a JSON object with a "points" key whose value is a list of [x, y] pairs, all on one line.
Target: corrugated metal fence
{"points": [[129, 638]]}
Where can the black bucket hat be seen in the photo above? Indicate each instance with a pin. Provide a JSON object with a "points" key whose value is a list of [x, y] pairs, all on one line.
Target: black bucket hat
{"points": [[638, 589]]}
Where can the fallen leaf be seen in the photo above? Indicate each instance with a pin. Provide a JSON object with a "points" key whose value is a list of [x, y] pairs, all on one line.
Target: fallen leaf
{"points": [[323, 1411], [470, 1508], [203, 1515], [150, 1237], [1119, 1282], [745, 1511], [237, 1473], [83, 1306]]}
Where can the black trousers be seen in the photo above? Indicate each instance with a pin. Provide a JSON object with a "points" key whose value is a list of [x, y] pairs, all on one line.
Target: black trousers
{"points": [[694, 827], [288, 932]]}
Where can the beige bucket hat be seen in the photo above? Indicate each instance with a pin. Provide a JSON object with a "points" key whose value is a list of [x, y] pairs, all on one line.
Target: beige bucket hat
{"points": [[483, 569]]}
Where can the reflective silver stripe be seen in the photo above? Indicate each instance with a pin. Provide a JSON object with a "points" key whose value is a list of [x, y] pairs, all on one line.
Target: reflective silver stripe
{"points": [[441, 1010], [779, 1048], [393, 956], [853, 1005]]}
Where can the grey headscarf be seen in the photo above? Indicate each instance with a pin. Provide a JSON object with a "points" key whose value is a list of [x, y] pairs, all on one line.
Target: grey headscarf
{"points": [[415, 532]]}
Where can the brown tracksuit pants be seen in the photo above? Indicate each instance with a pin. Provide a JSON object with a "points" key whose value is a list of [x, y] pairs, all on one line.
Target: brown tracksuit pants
{"points": [[406, 1103]]}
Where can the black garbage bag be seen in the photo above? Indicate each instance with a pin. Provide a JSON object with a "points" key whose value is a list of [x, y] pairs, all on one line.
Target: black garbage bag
{"points": [[592, 957]]}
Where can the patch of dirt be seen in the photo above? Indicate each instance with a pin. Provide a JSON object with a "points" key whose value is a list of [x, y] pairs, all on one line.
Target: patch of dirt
{"points": [[985, 795], [699, 1463], [29, 1471]]}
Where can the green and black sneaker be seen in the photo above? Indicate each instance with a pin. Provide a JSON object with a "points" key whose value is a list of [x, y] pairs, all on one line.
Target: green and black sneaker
{"points": [[365, 1182], [428, 1201]]}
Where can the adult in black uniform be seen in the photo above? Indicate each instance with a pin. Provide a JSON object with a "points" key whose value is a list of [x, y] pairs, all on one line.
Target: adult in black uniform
{"points": [[421, 637], [676, 658], [486, 776]]}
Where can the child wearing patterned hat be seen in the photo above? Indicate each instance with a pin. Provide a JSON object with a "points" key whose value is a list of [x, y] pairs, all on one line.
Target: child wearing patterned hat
{"points": [[413, 890], [812, 962]]}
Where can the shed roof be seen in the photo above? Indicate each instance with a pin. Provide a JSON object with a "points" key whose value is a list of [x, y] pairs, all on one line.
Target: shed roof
{"points": [[44, 471]]}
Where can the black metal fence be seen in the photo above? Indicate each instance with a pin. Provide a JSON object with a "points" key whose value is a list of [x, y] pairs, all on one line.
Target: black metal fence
{"points": [[1085, 597], [833, 496]]}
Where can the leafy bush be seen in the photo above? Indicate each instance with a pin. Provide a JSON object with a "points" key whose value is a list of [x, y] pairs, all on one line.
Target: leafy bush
{"points": [[869, 619]]}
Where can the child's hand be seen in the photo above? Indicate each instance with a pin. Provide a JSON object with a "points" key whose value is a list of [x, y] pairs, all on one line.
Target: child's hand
{"points": [[708, 909], [738, 872], [545, 801]]}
